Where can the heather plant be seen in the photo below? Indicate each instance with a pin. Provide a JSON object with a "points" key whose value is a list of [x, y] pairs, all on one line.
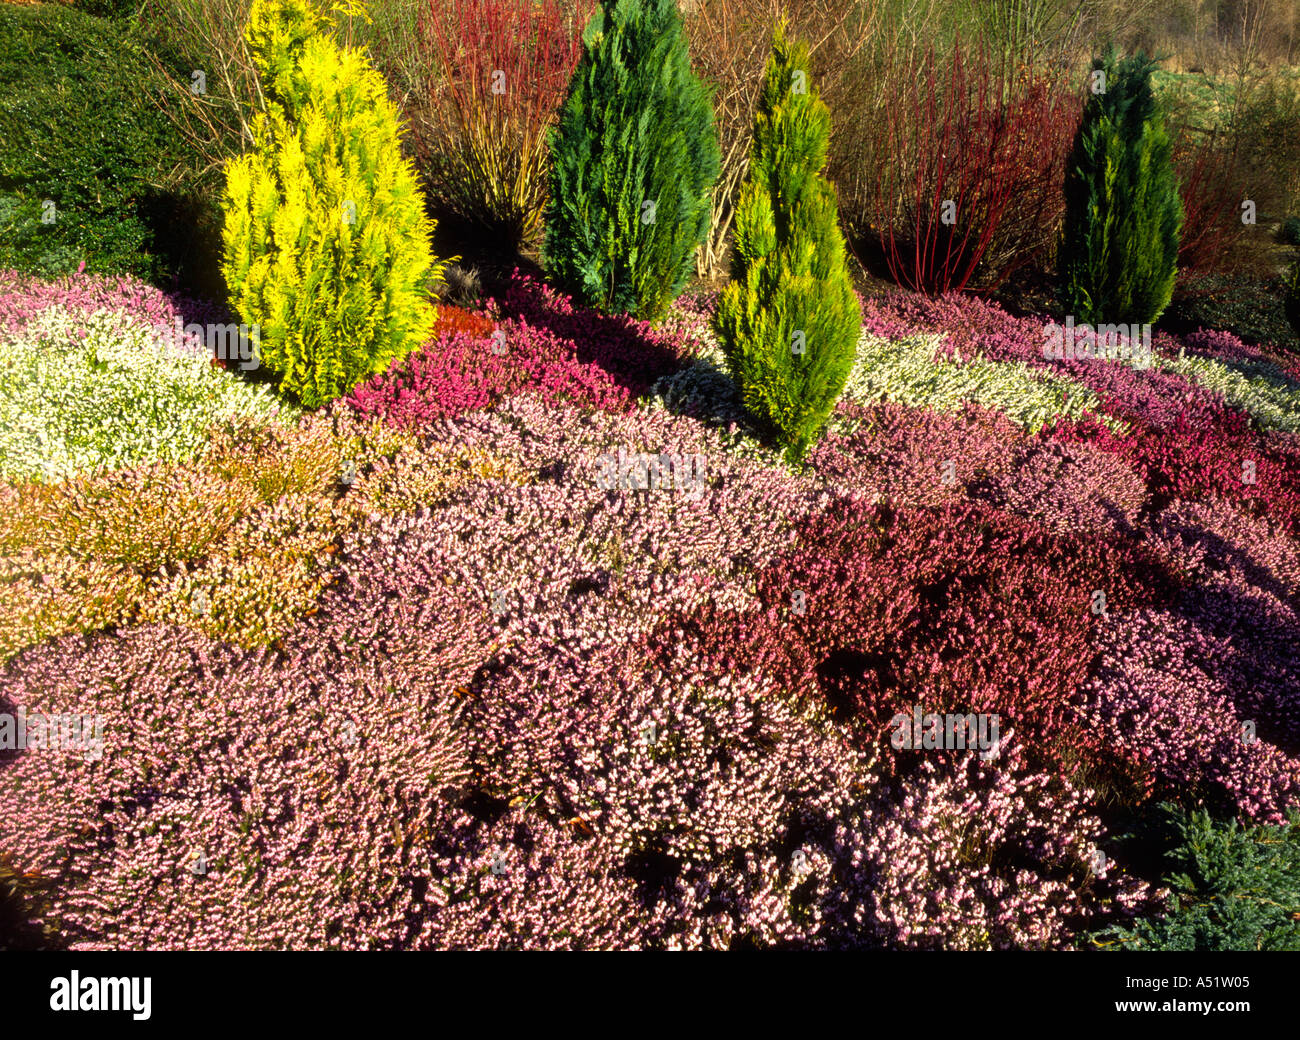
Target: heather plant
{"points": [[459, 373], [900, 606], [457, 319], [956, 853], [49, 594], [338, 291], [536, 340], [24, 299], [83, 394], [1066, 487], [1259, 388], [1231, 887], [1118, 257], [788, 319], [1205, 453], [148, 517], [238, 545], [188, 867], [1164, 695], [973, 855], [912, 371], [634, 351], [1227, 347], [634, 156], [914, 456], [699, 786]]}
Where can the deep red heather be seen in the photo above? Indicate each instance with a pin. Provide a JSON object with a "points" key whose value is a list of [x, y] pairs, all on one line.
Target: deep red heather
{"points": [[958, 607]]}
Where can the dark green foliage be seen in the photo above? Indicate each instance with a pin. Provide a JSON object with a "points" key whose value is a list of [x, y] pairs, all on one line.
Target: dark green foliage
{"points": [[1234, 887], [1292, 289], [1290, 231], [635, 129], [1123, 213], [789, 321], [108, 8], [78, 127]]}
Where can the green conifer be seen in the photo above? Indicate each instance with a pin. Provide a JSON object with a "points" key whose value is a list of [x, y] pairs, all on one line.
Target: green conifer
{"points": [[634, 156], [789, 321], [1123, 215]]}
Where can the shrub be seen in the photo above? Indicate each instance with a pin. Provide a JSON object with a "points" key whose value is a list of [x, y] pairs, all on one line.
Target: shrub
{"points": [[296, 860], [78, 128], [635, 352], [1289, 233], [1259, 388], [729, 42], [973, 855], [452, 320], [789, 318], [913, 371], [634, 157], [338, 289], [1212, 191], [251, 526], [1200, 452], [24, 299], [1172, 694], [901, 607], [505, 65], [966, 175], [82, 394], [1118, 256], [1230, 887], [461, 373]]}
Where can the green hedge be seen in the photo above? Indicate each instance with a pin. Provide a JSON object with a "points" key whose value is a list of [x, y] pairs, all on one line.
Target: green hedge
{"points": [[78, 127]]}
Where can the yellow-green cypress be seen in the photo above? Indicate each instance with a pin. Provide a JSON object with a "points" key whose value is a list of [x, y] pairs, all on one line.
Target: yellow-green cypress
{"points": [[789, 321], [327, 244]]}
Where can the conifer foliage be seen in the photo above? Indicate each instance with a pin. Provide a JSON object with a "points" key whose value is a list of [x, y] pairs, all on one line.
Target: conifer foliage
{"points": [[1231, 887], [1123, 215], [634, 158], [326, 238], [789, 321]]}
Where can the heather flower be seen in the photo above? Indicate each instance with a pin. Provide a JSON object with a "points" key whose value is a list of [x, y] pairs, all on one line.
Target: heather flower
{"points": [[1167, 694], [912, 455], [238, 545], [1258, 387], [912, 371], [84, 395], [1067, 487], [974, 855]]}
